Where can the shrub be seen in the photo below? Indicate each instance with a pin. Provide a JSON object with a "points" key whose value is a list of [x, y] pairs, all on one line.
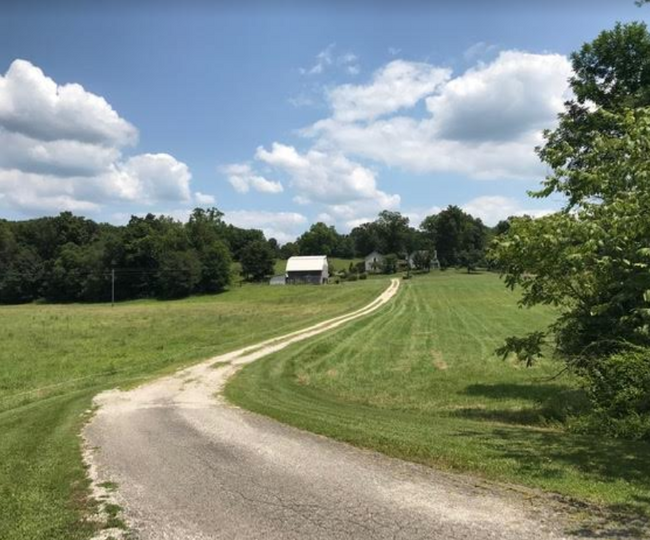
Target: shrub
{"points": [[363, 276], [353, 277], [619, 390], [390, 263]]}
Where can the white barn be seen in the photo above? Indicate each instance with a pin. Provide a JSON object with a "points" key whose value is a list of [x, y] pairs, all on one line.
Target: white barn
{"points": [[311, 269]]}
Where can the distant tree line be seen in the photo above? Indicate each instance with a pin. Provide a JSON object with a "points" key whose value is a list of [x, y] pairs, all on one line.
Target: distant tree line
{"points": [[459, 238], [70, 258]]}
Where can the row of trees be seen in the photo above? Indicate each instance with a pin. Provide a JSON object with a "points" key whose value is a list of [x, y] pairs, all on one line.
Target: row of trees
{"points": [[458, 238], [70, 258]]}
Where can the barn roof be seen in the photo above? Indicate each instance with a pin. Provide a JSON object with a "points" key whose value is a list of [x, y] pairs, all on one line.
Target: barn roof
{"points": [[306, 264]]}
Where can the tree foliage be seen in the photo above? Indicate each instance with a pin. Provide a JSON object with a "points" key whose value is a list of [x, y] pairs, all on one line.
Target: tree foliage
{"points": [[592, 259], [320, 239], [257, 261], [69, 258], [593, 262], [459, 238]]}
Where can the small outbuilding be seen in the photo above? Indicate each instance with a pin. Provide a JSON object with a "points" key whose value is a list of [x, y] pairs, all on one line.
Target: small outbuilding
{"points": [[374, 262], [312, 269]]}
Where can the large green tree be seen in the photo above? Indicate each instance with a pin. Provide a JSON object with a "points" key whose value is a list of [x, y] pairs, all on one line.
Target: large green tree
{"points": [[365, 238], [459, 238], [592, 259], [611, 74], [320, 239], [257, 261], [393, 232]]}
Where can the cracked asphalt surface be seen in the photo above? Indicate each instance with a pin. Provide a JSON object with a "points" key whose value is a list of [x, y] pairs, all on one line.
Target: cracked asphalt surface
{"points": [[190, 466]]}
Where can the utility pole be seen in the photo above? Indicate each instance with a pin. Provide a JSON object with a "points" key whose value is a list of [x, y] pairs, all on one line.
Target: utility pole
{"points": [[112, 287]]}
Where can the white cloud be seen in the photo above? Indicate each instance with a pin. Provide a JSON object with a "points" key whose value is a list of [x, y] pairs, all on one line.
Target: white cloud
{"points": [[327, 178], [158, 177], [61, 149], [242, 178], [327, 58], [34, 105], [514, 95], [323, 60], [493, 208], [397, 85], [412, 145], [37, 193], [346, 189], [283, 226], [484, 123], [59, 157], [203, 199], [417, 215], [479, 50]]}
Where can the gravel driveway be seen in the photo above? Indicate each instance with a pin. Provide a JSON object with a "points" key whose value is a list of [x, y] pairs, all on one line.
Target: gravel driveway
{"points": [[190, 466]]}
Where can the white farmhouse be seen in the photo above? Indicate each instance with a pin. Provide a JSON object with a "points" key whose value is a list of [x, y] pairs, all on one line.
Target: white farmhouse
{"points": [[311, 269], [374, 262]]}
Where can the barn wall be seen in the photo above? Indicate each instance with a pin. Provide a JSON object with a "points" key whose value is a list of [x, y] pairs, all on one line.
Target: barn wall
{"points": [[305, 277]]}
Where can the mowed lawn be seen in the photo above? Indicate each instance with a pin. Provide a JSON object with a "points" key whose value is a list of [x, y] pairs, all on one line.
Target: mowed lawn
{"points": [[419, 380], [54, 358]]}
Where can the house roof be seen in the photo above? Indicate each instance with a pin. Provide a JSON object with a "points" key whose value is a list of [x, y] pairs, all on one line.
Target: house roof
{"points": [[306, 264], [374, 254]]}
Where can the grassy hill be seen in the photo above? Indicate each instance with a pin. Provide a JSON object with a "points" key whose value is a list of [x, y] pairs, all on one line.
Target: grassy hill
{"points": [[419, 380], [54, 358]]}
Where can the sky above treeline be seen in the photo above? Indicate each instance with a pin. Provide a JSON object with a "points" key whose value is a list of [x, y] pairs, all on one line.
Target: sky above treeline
{"points": [[284, 113]]}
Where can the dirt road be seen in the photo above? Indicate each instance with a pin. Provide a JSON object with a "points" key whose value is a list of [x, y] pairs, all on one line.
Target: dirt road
{"points": [[190, 466]]}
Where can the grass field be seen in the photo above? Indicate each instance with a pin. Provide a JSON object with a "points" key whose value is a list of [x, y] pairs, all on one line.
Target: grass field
{"points": [[419, 381], [55, 358]]}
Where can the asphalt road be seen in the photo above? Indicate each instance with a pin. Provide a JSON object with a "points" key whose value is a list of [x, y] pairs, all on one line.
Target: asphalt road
{"points": [[190, 466]]}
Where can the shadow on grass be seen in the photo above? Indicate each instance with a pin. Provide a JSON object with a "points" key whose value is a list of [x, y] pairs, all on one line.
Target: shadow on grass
{"points": [[531, 392], [552, 454], [548, 403]]}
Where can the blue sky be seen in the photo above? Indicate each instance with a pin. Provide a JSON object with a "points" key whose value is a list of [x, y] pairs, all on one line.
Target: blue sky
{"points": [[283, 113]]}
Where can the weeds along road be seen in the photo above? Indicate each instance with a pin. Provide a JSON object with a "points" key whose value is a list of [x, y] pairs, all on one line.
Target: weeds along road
{"points": [[189, 466]]}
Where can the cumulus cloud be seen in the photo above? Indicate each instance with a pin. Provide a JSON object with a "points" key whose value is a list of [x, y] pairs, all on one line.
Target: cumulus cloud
{"points": [[158, 177], [283, 226], [493, 208], [35, 193], [484, 123], [242, 178], [397, 85], [203, 199], [412, 144], [61, 149], [59, 157], [517, 93], [34, 105], [327, 178]]}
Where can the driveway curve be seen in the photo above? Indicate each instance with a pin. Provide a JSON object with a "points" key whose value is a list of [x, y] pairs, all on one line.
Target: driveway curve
{"points": [[187, 465]]}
